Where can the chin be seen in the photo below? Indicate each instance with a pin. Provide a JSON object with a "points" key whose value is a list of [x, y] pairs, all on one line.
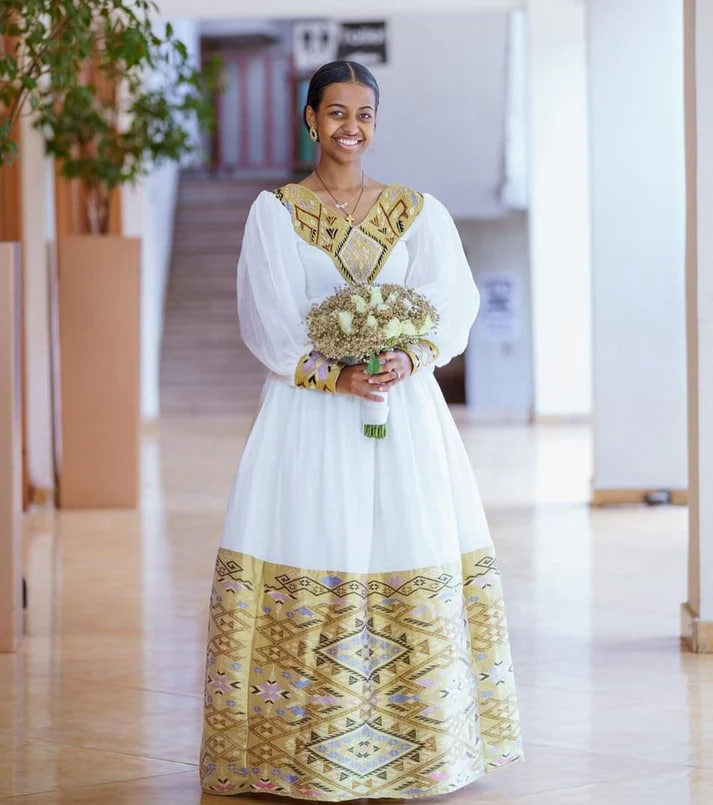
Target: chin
{"points": [[338, 155]]}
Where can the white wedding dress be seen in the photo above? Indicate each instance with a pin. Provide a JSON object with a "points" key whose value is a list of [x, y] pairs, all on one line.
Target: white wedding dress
{"points": [[358, 643]]}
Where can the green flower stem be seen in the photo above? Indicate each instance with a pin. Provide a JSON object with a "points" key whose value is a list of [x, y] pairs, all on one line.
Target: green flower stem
{"points": [[373, 367]]}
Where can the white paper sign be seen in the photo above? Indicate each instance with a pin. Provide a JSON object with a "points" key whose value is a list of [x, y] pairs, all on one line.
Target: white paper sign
{"points": [[315, 42], [499, 318]]}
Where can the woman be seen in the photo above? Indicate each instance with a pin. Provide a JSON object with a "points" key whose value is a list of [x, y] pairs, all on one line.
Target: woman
{"points": [[357, 645]]}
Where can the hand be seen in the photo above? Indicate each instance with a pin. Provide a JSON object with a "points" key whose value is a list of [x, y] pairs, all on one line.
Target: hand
{"points": [[395, 367]]}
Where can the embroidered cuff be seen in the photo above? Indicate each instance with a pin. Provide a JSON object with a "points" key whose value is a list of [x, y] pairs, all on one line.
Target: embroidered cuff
{"points": [[422, 353], [314, 371]]}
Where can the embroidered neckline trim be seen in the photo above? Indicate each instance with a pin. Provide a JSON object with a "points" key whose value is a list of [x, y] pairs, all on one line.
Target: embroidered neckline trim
{"points": [[358, 251]]}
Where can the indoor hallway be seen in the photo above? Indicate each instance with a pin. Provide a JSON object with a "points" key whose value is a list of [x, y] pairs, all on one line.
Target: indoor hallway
{"points": [[103, 702]]}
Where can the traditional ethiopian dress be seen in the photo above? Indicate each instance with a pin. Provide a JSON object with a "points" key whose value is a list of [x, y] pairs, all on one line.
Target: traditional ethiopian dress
{"points": [[357, 640]]}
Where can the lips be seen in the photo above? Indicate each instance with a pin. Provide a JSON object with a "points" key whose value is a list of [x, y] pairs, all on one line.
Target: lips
{"points": [[348, 142]]}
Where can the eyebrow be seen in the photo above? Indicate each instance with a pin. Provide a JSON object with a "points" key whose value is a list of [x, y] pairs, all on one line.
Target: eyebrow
{"points": [[344, 106]]}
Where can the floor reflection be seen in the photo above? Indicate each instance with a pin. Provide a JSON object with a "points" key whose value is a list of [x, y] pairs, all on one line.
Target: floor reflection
{"points": [[103, 702]]}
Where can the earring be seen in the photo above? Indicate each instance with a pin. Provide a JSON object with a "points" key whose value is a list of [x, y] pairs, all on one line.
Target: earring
{"points": [[313, 134]]}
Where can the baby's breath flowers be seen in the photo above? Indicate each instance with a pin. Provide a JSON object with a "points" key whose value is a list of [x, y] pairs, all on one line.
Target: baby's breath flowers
{"points": [[358, 322]]}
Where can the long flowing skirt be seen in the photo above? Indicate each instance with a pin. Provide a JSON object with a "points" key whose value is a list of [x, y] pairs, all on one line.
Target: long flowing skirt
{"points": [[357, 640]]}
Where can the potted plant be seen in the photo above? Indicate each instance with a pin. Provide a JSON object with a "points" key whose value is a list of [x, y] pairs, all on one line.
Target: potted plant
{"points": [[37, 38], [136, 100]]}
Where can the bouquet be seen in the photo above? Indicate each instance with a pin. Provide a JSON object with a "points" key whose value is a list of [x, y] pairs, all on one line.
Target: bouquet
{"points": [[358, 322]]}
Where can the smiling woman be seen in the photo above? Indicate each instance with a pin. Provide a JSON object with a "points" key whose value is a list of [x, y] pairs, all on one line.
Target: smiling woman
{"points": [[357, 642]]}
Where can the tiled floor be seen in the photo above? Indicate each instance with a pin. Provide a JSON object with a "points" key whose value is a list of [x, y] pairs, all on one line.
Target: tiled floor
{"points": [[103, 703]]}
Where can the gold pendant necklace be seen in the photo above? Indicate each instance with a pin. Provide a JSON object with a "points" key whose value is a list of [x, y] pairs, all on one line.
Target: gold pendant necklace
{"points": [[342, 205]]}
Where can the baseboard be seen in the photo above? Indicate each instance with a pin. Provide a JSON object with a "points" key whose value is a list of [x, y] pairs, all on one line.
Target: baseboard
{"points": [[697, 635], [41, 496], [621, 497]]}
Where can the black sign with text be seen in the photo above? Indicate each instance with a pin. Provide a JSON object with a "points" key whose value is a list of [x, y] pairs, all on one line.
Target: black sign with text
{"points": [[364, 42]]}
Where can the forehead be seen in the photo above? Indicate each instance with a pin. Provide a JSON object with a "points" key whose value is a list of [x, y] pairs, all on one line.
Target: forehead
{"points": [[349, 94]]}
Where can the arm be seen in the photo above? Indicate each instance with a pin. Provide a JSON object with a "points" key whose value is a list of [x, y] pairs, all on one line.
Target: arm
{"points": [[272, 301], [438, 268]]}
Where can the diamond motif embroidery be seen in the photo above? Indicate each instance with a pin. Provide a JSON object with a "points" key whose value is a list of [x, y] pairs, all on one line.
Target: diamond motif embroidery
{"points": [[363, 652], [359, 254], [363, 750], [348, 685]]}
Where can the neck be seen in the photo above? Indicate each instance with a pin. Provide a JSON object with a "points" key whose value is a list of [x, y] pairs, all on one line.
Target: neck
{"points": [[340, 175]]}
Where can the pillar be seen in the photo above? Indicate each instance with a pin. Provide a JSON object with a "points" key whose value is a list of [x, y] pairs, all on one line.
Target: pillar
{"points": [[10, 450], [637, 231], [697, 611]]}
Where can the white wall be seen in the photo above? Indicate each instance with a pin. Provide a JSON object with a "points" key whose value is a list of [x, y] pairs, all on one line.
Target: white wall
{"points": [[148, 212], [637, 186], [499, 385], [441, 121], [228, 9], [559, 211]]}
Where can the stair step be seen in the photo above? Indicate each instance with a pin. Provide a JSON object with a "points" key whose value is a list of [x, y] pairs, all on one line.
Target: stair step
{"points": [[205, 367]]}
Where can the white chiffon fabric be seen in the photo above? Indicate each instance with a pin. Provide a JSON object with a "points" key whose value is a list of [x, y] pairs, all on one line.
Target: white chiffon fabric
{"points": [[311, 491]]}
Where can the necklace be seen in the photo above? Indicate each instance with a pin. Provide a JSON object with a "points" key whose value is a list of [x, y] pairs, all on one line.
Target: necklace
{"points": [[342, 205]]}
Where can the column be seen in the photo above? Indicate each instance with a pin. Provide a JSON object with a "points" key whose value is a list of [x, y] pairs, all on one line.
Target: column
{"points": [[37, 235], [637, 228], [10, 450], [697, 611]]}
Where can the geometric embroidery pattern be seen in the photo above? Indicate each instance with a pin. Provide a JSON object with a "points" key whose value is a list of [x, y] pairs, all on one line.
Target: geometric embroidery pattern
{"points": [[358, 251], [422, 353], [314, 371], [332, 685]]}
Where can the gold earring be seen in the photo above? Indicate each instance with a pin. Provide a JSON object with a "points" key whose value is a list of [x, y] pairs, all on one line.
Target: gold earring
{"points": [[313, 134]]}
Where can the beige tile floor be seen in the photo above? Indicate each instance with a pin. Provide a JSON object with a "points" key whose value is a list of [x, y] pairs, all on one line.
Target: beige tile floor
{"points": [[103, 703]]}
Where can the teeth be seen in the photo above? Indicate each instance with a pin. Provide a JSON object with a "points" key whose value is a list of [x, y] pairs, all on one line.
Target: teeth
{"points": [[344, 141]]}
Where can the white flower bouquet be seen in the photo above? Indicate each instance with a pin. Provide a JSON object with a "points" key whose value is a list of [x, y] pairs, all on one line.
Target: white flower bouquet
{"points": [[358, 322]]}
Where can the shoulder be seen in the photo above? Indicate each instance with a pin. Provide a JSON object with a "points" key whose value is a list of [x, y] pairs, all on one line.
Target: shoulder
{"points": [[429, 213], [402, 206], [292, 193], [267, 207]]}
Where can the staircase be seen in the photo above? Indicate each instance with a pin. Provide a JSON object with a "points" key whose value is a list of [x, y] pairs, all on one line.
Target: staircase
{"points": [[205, 367]]}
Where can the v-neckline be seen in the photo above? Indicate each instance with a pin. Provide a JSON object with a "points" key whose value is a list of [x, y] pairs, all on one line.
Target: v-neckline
{"points": [[338, 213]]}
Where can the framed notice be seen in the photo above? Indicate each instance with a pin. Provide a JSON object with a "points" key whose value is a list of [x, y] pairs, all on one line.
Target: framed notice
{"points": [[499, 319], [364, 42], [315, 42]]}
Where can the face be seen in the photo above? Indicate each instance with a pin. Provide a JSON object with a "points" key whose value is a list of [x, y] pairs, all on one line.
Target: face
{"points": [[345, 120]]}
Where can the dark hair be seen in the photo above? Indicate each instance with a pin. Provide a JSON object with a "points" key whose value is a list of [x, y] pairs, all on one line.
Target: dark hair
{"points": [[338, 72]]}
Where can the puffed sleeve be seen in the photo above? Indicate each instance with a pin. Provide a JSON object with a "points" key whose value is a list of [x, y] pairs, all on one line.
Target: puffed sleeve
{"points": [[272, 301], [438, 268]]}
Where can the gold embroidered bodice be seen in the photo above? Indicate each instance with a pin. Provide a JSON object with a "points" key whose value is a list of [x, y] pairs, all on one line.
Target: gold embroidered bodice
{"points": [[358, 251]]}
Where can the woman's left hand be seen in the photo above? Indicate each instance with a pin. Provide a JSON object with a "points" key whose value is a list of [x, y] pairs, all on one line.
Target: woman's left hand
{"points": [[395, 367]]}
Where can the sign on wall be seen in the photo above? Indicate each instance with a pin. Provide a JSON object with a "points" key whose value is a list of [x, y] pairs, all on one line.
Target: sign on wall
{"points": [[499, 319], [364, 42], [315, 42]]}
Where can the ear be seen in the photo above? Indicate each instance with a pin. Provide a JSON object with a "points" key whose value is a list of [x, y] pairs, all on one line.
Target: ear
{"points": [[311, 116]]}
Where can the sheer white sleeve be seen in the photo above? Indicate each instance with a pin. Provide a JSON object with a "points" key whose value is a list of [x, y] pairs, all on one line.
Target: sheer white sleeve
{"points": [[272, 301], [438, 268]]}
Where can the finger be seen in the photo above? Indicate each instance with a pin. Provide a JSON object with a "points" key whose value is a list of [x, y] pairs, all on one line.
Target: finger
{"points": [[382, 377], [384, 386], [373, 397]]}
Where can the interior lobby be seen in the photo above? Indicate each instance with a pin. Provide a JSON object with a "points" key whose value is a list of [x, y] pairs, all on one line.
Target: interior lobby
{"points": [[572, 141]]}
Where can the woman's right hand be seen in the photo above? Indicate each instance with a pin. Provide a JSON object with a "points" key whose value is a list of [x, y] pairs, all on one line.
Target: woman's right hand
{"points": [[357, 381]]}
